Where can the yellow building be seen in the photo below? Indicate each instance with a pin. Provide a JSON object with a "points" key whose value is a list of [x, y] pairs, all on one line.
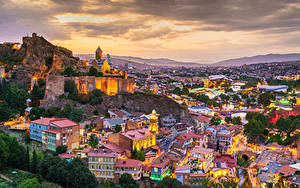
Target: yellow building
{"points": [[138, 139], [153, 126], [298, 100]]}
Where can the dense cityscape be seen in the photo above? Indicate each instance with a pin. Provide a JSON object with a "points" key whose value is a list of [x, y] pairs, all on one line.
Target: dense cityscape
{"points": [[149, 94], [96, 124]]}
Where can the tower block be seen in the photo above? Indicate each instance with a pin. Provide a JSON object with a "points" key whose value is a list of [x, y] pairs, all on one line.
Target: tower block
{"points": [[153, 127]]}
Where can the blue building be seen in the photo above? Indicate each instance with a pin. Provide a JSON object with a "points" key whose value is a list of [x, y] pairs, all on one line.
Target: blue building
{"points": [[37, 127]]}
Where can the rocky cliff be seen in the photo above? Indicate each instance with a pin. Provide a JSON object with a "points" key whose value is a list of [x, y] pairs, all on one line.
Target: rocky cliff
{"points": [[39, 58]]}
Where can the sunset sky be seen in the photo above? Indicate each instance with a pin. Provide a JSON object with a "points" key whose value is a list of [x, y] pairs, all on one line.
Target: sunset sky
{"points": [[204, 31]]}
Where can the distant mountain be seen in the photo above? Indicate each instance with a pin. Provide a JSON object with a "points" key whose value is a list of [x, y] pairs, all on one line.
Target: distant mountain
{"points": [[143, 62], [269, 58]]}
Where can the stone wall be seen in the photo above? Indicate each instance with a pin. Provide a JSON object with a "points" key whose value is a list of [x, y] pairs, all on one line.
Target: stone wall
{"points": [[55, 86], [85, 84]]}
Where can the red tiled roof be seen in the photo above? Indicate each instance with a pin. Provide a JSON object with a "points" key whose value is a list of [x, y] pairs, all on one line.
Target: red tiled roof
{"points": [[43, 121], [164, 130], [286, 170], [64, 123], [202, 118], [137, 134], [67, 155], [224, 158], [128, 163], [160, 164], [188, 136], [200, 149], [114, 147]]}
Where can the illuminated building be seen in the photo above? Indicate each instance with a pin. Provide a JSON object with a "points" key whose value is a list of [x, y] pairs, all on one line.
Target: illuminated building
{"points": [[160, 168], [202, 158], [137, 139], [129, 166], [224, 166], [153, 126], [37, 127], [101, 162], [61, 132]]}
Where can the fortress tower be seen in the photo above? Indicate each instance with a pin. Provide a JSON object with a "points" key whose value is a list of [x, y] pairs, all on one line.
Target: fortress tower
{"points": [[99, 54]]}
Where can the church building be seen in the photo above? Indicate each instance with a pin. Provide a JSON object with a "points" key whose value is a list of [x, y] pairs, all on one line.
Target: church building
{"points": [[101, 64]]}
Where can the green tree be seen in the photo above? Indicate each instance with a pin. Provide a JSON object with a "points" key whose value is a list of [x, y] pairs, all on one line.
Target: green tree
{"points": [[228, 119], [93, 141], [29, 183], [254, 130], [126, 181], [96, 112], [4, 152], [177, 91], [78, 175], [185, 91], [168, 182], [69, 71], [92, 72], [118, 128], [265, 99], [70, 87], [237, 120], [27, 160], [37, 113], [61, 149], [36, 95], [34, 163], [76, 114]]}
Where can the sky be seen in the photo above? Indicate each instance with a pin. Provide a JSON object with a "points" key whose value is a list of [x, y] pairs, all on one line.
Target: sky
{"points": [[203, 31]]}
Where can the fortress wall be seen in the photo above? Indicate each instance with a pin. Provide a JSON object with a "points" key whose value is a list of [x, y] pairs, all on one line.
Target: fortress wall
{"points": [[54, 86], [85, 84]]}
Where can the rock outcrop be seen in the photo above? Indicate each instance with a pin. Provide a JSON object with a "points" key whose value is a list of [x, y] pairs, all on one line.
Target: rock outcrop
{"points": [[41, 58]]}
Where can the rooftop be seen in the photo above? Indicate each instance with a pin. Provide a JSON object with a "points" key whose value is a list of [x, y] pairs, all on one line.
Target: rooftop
{"points": [[128, 163], [137, 134], [43, 121]]}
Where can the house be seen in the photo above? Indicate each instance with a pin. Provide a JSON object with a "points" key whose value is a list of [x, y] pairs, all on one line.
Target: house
{"points": [[135, 123], [224, 166], [37, 127], [202, 158], [101, 162], [130, 166], [189, 138], [182, 173], [168, 121], [180, 128], [117, 113], [160, 168], [61, 132], [111, 123]]}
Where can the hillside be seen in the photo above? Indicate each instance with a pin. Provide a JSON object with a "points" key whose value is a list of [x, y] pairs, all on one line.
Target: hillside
{"points": [[137, 102], [36, 57], [269, 58]]}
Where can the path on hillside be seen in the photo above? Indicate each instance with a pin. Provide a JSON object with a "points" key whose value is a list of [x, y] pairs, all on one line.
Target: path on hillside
{"points": [[6, 178]]}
